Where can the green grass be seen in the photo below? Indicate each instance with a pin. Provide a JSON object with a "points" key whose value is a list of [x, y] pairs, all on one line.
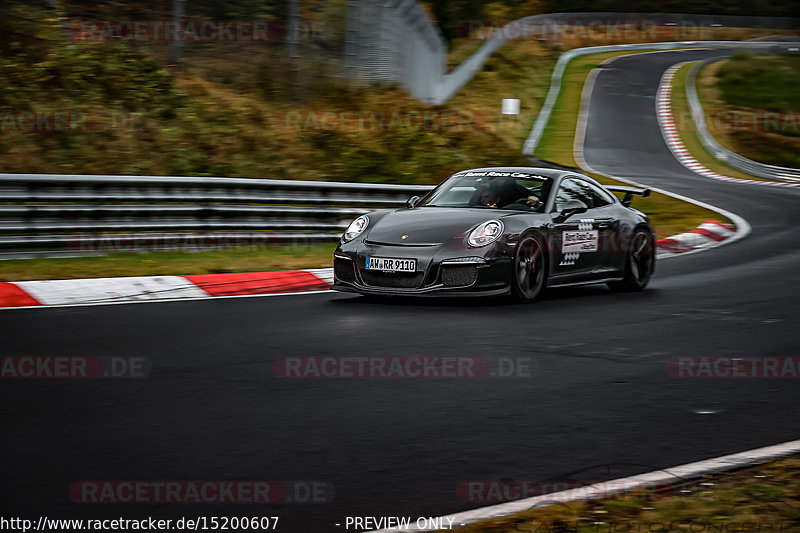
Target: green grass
{"points": [[688, 133], [669, 215], [764, 81], [754, 106], [765, 497], [170, 263], [520, 69]]}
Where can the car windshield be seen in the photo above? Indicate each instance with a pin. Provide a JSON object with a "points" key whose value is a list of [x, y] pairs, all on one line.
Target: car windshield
{"points": [[492, 189]]}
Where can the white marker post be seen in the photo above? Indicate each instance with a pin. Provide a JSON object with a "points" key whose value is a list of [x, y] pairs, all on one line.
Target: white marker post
{"points": [[510, 108]]}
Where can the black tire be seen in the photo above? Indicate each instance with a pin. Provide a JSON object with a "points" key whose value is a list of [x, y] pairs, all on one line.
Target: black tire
{"points": [[639, 263], [529, 269]]}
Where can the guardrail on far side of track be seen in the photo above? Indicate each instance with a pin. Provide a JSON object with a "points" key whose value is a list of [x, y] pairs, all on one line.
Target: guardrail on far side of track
{"points": [[717, 150], [543, 118]]}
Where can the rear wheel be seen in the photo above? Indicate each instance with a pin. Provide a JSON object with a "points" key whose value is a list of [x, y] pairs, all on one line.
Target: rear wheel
{"points": [[639, 264], [529, 269]]}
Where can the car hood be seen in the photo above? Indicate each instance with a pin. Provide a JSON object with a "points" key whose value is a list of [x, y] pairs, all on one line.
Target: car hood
{"points": [[428, 225]]}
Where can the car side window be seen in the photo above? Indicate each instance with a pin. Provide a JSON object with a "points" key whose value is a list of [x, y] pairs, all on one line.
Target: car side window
{"points": [[570, 189], [578, 189], [599, 196]]}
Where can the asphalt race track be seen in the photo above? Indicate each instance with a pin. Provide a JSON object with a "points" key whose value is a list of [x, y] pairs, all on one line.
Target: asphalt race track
{"points": [[600, 403]]}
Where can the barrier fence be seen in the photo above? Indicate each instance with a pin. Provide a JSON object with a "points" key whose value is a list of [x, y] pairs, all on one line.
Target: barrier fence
{"points": [[45, 215]]}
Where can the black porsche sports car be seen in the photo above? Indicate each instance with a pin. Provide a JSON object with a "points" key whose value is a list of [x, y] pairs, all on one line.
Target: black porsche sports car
{"points": [[492, 231]]}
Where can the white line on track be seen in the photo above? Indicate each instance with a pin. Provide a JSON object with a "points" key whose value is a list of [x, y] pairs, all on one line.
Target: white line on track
{"points": [[165, 300], [605, 489], [669, 132]]}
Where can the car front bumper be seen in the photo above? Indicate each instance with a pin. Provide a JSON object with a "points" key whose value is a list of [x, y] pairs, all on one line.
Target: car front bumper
{"points": [[440, 271]]}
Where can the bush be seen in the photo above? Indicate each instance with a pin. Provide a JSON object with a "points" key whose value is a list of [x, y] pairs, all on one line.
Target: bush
{"points": [[741, 55]]}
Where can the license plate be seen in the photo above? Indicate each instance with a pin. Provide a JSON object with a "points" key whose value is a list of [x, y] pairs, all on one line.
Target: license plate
{"points": [[391, 265]]}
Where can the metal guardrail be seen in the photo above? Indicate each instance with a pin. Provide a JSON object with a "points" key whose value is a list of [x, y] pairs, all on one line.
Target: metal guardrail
{"points": [[395, 41], [543, 118], [49, 215], [717, 150]]}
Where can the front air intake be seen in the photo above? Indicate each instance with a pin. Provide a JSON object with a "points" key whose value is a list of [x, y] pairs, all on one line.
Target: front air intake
{"points": [[459, 275]]}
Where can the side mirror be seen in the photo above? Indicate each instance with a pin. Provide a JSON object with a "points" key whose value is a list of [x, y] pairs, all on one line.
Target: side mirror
{"points": [[413, 202], [573, 207]]}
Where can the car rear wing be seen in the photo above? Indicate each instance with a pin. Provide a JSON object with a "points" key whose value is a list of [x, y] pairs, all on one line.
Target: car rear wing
{"points": [[629, 192]]}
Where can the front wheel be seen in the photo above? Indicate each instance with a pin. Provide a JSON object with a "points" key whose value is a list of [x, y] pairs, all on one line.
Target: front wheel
{"points": [[639, 264], [529, 269]]}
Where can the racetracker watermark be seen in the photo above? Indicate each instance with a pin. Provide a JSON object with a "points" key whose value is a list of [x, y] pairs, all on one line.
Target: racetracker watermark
{"points": [[71, 121], [51, 121], [185, 31], [366, 120], [73, 367], [733, 367], [404, 367], [185, 242], [580, 30], [205, 492], [573, 241], [503, 490], [740, 120], [558, 30]]}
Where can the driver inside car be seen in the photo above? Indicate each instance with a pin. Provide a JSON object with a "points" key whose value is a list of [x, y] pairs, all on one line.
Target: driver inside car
{"points": [[508, 194]]}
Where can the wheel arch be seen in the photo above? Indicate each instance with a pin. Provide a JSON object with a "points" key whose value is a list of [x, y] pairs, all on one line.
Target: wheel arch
{"points": [[545, 237]]}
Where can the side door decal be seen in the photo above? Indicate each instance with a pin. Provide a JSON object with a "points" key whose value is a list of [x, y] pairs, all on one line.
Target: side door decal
{"points": [[574, 242]]}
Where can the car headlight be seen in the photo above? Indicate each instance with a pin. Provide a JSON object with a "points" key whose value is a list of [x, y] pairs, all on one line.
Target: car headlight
{"points": [[355, 228], [485, 233]]}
